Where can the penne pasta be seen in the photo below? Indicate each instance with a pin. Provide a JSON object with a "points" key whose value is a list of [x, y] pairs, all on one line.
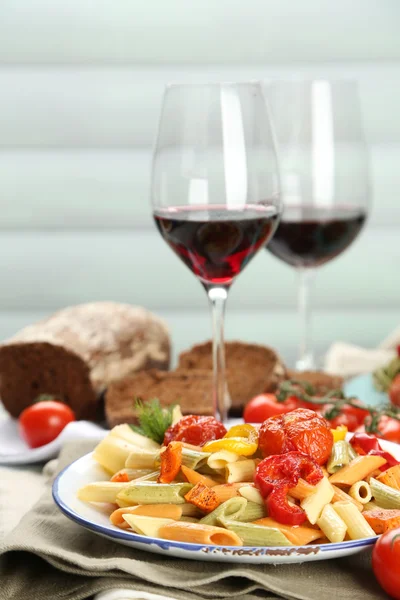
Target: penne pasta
{"points": [[341, 496], [242, 470], [219, 460], [391, 477], [313, 505], [251, 493], [154, 493], [194, 459], [257, 535], [231, 509], [130, 474], [149, 526], [252, 512], [361, 492], [167, 511], [339, 456], [125, 432], [384, 496], [357, 469], [302, 490], [112, 452], [195, 477], [102, 491], [331, 524], [299, 535], [225, 491], [143, 459], [357, 526], [199, 533]]}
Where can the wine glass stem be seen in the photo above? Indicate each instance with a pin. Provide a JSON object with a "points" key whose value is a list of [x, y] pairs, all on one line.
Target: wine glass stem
{"points": [[306, 359], [221, 401]]}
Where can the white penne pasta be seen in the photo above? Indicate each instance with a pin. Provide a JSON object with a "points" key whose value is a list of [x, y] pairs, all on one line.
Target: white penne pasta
{"points": [[361, 491], [332, 524], [357, 526], [149, 526], [176, 414], [141, 458], [112, 452], [242, 470], [102, 491], [125, 432], [198, 533], [313, 504], [130, 474], [219, 460], [251, 493], [164, 511]]}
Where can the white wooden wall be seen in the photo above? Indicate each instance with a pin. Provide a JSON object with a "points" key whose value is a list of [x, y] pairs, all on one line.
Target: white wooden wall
{"points": [[80, 89]]}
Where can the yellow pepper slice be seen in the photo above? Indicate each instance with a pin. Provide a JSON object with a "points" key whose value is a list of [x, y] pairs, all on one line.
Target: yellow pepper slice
{"points": [[240, 439], [339, 433]]}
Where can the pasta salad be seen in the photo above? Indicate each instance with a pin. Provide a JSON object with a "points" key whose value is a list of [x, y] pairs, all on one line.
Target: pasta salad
{"points": [[294, 481]]}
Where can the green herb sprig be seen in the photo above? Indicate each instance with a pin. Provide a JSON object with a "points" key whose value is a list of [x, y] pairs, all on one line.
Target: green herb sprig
{"points": [[153, 419]]}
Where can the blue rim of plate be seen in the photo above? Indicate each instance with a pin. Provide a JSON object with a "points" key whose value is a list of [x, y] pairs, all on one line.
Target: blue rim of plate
{"points": [[223, 550]]}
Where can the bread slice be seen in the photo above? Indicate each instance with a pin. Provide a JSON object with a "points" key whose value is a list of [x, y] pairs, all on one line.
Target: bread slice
{"points": [[250, 369], [191, 389], [322, 382]]}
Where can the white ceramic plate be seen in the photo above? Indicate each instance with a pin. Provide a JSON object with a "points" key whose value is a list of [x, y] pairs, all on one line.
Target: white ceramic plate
{"points": [[85, 470]]}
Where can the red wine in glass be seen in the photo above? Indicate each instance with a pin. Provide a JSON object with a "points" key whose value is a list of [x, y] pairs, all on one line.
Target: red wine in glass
{"points": [[309, 236], [214, 241]]}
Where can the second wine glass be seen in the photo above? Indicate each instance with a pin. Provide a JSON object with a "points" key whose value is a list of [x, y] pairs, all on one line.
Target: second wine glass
{"points": [[325, 181], [215, 193]]}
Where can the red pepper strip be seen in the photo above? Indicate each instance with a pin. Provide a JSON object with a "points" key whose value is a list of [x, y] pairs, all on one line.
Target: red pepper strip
{"points": [[276, 474], [363, 443]]}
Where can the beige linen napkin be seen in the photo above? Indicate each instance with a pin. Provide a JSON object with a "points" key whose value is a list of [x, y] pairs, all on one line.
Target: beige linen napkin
{"points": [[349, 360], [48, 557]]}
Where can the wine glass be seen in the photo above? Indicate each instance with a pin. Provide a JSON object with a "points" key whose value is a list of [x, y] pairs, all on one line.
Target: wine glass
{"points": [[215, 191], [325, 181]]}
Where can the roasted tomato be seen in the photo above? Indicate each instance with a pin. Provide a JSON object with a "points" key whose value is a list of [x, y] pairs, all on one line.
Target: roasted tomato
{"points": [[394, 391], [386, 560], [301, 430], [276, 475], [266, 405], [195, 429]]}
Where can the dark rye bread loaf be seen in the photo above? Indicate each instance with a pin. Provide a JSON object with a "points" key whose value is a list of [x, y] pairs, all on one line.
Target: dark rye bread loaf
{"points": [[77, 352], [250, 369], [190, 389]]}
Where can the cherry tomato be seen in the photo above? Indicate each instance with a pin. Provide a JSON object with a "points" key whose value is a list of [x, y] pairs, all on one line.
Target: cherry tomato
{"points": [[388, 429], [266, 405], [349, 421], [195, 429], [386, 560], [394, 391], [300, 430], [41, 423]]}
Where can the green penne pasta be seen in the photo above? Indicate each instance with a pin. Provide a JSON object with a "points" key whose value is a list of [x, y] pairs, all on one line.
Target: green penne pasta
{"points": [[352, 453], [193, 459], [155, 493], [231, 509], [252, 512], [256, 535], [339, 456], [384, 495]]}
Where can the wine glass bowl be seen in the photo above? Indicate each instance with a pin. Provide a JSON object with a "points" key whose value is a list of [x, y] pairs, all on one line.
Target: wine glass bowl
{"points": [[324, 170], [215, 190]]}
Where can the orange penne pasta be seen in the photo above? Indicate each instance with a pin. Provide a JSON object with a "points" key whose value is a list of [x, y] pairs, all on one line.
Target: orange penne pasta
{"points": [[357, 469], [341, 496], [166, 511], [197, 533], [302, 490], [299, 536], [225, 491], [194, 477]]}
